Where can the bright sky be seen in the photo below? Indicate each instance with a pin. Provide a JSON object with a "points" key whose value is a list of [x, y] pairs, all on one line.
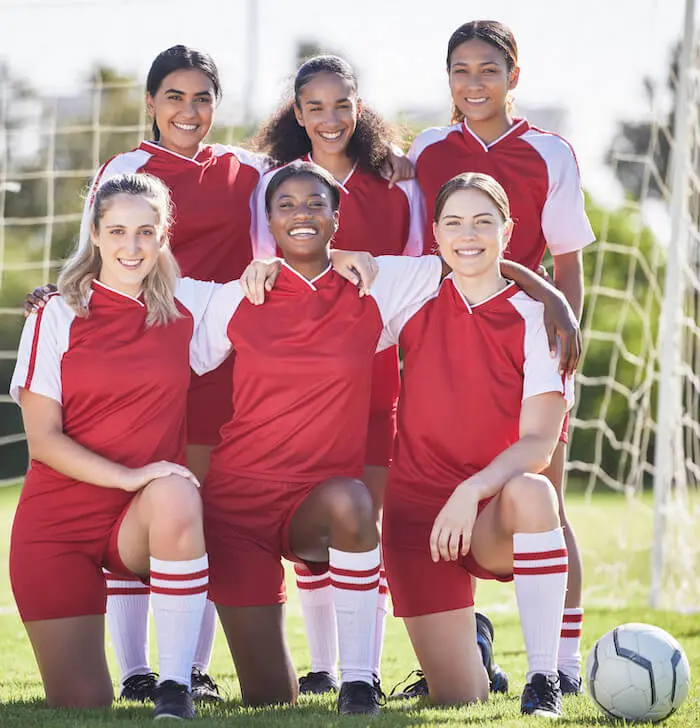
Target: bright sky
{"points": [[587, 57]]}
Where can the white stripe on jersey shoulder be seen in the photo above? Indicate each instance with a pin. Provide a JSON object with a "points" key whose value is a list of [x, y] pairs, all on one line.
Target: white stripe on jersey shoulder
{"points": [[309, 283], [159, 148], [123, 163], [526, 306], [256, 160], [430, 136], [195, 295], [556, 151]]}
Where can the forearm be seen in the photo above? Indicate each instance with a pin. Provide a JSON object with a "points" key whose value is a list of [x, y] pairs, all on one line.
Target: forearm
{"points": [[534, 285], [67, 457], [568, 277], [530, 454]]}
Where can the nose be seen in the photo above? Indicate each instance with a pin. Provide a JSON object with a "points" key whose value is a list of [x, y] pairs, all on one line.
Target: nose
{"points": [[131, 244]]}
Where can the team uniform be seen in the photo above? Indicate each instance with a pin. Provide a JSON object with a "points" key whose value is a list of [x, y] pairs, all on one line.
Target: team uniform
{"points": [[211, 239], [100, 370], [381, 221], [539, 173], [301, 404], [467, 370]]}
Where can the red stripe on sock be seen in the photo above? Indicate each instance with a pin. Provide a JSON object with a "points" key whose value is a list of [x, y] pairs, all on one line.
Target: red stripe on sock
{"points": [[122, 591], [314, 584], [537, 570], [180, 592], [539, 555], [180, 577], [355, 572], [572, 618], [302, 570], [109, 576], [355, 587], [570, 633]]}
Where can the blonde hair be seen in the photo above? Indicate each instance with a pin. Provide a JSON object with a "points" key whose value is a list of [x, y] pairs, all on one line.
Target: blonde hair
{"points": [[85, 264], [473, 181]]}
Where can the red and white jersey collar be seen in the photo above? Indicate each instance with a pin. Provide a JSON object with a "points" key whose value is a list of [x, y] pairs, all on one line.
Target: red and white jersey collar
{"points": [[520, 126], [315, 283], [115, 295], [505, 292], [343, 184], [203, 155]]}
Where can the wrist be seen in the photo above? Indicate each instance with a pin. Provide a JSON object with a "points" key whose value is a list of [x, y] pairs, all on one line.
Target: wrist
{"points": [[475, 488]]}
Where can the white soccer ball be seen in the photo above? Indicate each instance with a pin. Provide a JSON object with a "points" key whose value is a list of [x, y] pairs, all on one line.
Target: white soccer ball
{"points": [[638, 672]]}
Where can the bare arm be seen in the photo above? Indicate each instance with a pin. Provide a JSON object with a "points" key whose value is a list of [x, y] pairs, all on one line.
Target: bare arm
{"points": [[43, 422], [568, 278], [540, 426]]}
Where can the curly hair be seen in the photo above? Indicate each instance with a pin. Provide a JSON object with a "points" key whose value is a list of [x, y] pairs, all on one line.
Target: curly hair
{"points": [[284, 140]]}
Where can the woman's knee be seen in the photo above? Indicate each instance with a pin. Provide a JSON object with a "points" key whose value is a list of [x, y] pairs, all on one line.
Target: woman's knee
{"points": [[352, 510], [530, 502], [174, 501]]}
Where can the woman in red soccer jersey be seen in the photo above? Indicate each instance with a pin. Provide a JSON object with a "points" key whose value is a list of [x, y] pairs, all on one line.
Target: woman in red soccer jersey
{"points": [[327, 123], [283, 481], [107, 487], [539, 172], [481, 408]]}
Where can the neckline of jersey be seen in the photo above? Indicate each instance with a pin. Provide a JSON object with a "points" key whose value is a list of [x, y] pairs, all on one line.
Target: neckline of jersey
{"points": [[472, 306], [519, 125], [163, 150], [309, 283], [342, 184], [108, 289]]}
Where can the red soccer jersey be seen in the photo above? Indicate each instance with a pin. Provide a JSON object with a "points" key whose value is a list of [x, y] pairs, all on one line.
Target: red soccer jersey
{"points": [[303, 368], [538, 171], [122, 388], [467, 370], [211, 239]]}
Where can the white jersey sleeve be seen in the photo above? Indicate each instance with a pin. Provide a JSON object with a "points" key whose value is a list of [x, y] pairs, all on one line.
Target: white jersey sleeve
{"points": [[210, 343], [417, 213], [565, 224], [257, 160], [264, 245], [541, 370], [43, 343], [121, 164], [195, 296], [403, 282]]}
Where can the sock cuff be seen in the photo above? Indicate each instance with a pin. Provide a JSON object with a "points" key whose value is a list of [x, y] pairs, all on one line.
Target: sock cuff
{"points": [[180, 578], [538, 542], [190, 566], [354, 561], [575, 614]]}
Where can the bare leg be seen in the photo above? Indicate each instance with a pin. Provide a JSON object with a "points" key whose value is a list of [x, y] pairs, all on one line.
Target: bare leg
{"points": [[71, 657], [260, 652]]}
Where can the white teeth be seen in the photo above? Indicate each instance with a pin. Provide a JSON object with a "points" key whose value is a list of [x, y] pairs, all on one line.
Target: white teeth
{"points": [[185, 127], [480, 100], [130, 263], [302, 231], [331, 136], [469, 253]]}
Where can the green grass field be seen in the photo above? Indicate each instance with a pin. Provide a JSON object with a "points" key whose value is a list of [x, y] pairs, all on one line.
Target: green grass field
{"points": [[612, 533]]}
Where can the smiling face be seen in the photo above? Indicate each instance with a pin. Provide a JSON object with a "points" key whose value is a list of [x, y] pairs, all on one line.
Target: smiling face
{"points": [[471, 233], [328, 109], [480, 80], [183, 108], [129, 237], [302, 220]]}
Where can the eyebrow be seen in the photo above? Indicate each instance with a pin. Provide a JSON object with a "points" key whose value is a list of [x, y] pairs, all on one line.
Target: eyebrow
{"points": [[461, 217], [483, 63], [337, 101], [183, 93]]}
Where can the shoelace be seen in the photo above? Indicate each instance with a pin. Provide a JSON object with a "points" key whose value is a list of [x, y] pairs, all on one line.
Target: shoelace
{"points": [[204, 678], [545, 696], [141, 682], [417, 673]]}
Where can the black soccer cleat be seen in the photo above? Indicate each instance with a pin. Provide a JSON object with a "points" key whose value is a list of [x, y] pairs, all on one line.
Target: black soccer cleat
{"points": [[173, 700], [542, 697], [317, 683], [139, 688], [204, 689], [359, 698], [570, 685], [498, 680], [417, 689]]}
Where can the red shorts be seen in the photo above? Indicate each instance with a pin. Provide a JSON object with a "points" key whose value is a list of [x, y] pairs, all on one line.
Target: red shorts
{"points": [[209, 404], [53, 579], [246, 528], [386, 383], [417, 584], [564, 437]]}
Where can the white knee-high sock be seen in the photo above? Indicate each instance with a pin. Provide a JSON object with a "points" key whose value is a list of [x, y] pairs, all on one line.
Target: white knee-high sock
{"points": [[127, 621], [178, 595], [205, 643], [540, 566], [570, 642], [355, 584], [382, 611], [318, 610]]}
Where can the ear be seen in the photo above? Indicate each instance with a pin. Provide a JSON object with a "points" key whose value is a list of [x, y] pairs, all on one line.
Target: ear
{"points": [[435, 229], [150, 105], [336, 219], [507, 233], [360, 106], [514, 78], [94, 236], [297, 114]]}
